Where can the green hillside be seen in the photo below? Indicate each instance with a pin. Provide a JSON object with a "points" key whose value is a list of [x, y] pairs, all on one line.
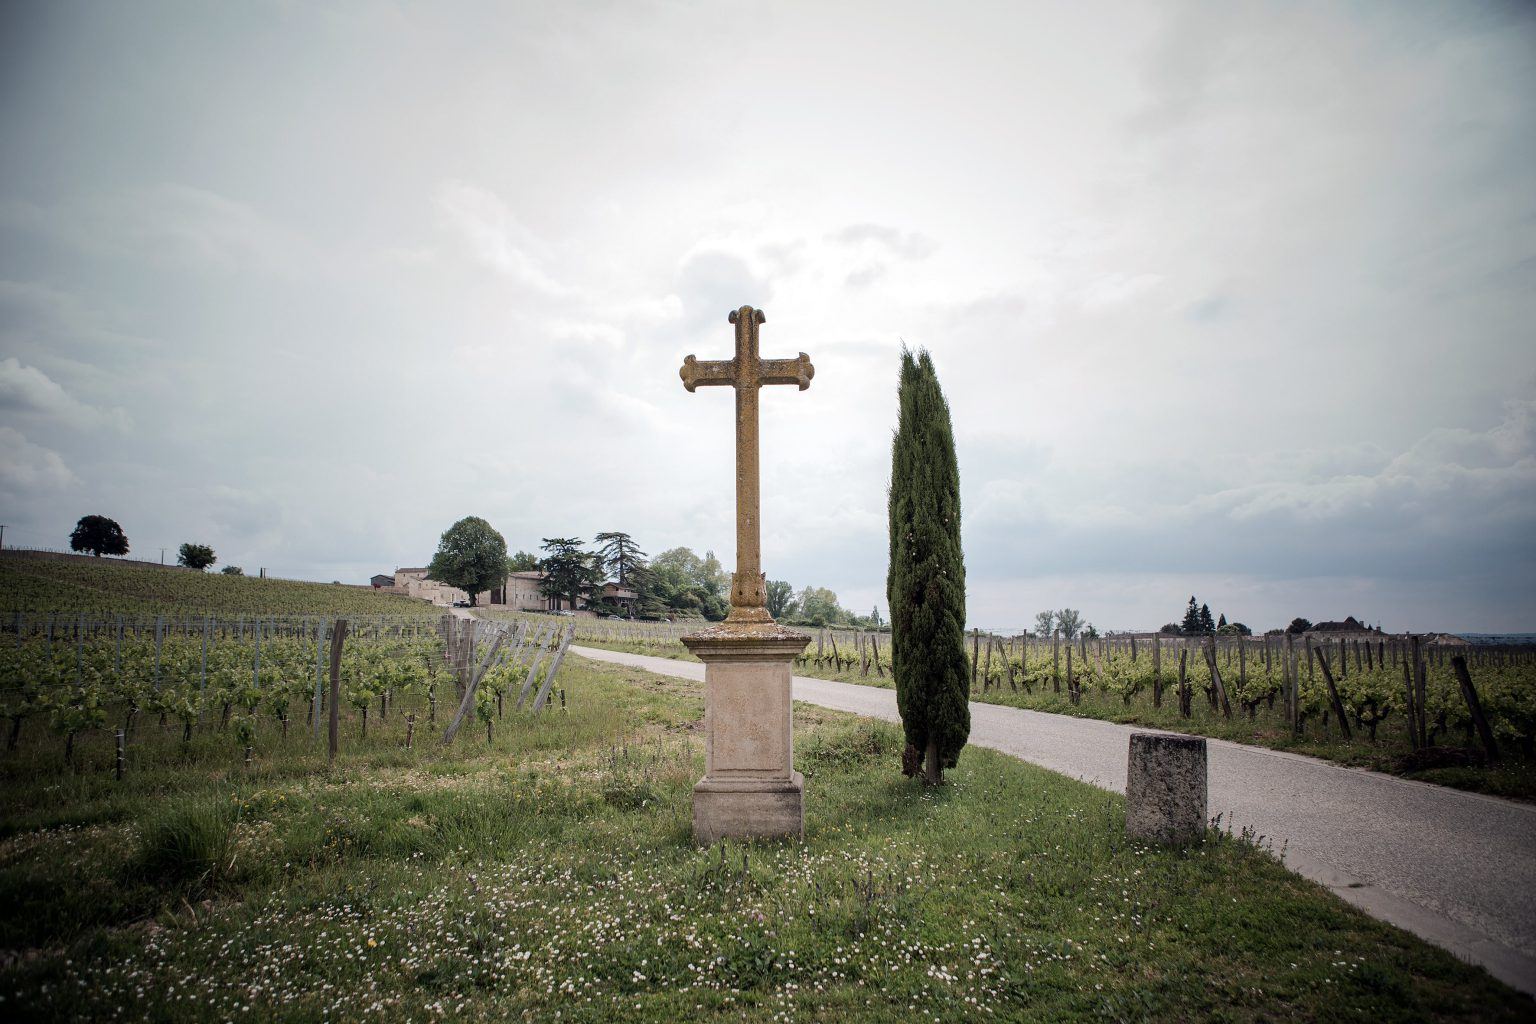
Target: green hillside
{"points": [[31, 584]]}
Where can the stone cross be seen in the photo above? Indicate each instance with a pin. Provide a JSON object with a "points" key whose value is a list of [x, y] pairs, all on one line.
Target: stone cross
{"points": [[746, 373]]}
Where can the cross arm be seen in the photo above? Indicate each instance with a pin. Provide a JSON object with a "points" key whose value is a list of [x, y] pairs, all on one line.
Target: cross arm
{"points": [[797, 371], [708, 372]]}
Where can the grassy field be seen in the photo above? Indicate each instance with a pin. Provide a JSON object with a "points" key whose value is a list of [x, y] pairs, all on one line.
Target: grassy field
{"points": [[1514, 778], [550, 875], [103, 587]]}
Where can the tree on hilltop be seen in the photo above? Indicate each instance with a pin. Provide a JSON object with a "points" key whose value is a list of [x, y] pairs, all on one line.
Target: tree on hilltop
{"points": [[98, 535], [232, 570], [195, 556], [471, 555], [925, 584]]}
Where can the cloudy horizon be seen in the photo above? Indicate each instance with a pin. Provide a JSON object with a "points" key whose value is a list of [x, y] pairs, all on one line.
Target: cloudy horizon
{"points": [[1227, 299]]}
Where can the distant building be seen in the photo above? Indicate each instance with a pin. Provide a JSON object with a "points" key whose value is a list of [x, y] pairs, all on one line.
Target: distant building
{"points": [[518, 592], [413, 582], [624, 598], [381, 581], [1349, 625]]}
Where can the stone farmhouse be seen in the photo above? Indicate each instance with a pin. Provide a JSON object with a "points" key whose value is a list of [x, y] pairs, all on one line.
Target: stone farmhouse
{"points": [[518, 592]]}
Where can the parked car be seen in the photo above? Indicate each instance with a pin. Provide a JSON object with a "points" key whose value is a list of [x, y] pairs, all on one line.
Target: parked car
{"points": [[461, 604]]}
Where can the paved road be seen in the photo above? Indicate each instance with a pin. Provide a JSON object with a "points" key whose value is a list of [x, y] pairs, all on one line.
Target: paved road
{"points": [[1457, 869]]}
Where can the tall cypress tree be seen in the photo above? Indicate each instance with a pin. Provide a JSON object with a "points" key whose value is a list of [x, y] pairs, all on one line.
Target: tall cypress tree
{"points": [[925, 585]]}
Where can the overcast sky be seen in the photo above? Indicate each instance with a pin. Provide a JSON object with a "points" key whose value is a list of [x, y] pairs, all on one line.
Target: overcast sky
{"points": [[1229, 299]]}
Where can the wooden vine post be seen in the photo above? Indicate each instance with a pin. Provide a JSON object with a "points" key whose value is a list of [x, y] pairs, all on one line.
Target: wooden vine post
{"points": [[1333, 695], [1185, 691], [1420, 677], [1221, 690], [1475, 708], [471, 688], [975, 654], [1056, 659], [338, 638], [1411, 710]]}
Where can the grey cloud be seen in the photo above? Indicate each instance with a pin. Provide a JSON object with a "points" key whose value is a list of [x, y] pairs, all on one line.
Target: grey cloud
{"points": [[1210, 287], [1458, 497], [711, 284], [26, 389], [170, 221], [496, 237], [909, 245], [27, 468], [866, 275]]}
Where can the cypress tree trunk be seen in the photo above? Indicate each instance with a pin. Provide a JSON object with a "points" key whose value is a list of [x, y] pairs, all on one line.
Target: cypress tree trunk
{"points": [[925, 585]]}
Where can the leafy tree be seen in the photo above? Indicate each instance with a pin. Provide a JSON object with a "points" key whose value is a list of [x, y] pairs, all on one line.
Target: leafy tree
{"points": [[1091, 631], [195, 556], [1170, 629], [1191, 623], [688, 583], [713, 578], [232, 570], [619, 555], [98, 535], [1234, 629], [1299, 625], [781, 598], [818, 606], [1045, 622], [523, 561], [569, 572], [471, 556], [1207, 624], [925, 584], [1069, 621]]}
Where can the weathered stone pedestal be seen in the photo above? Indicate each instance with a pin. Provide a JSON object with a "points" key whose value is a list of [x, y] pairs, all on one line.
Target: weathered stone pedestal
{"points": [[750, 787], [1165, 788]]}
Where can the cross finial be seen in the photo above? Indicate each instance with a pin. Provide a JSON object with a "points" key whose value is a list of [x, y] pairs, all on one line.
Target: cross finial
{"points": [[747, 373]]}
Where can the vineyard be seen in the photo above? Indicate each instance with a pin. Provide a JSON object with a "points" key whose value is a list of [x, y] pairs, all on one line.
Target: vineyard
{"points": [[1392, 703], [97, 690], [98, 588], [233, 869]]}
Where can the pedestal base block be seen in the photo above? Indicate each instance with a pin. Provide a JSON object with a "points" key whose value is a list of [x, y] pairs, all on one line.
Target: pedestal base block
{"points": [[748, 809], [750, 788]]}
